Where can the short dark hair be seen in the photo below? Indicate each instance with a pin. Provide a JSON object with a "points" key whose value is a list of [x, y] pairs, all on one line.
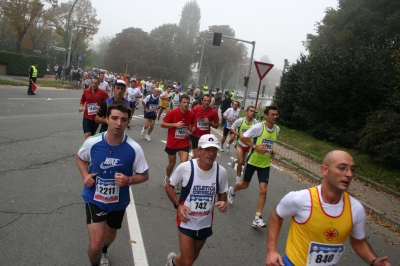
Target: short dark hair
{"points": [[206, 95], [120, 106], [237, 102], [184, 97], [271, 107], [96, 78], [248, 107]]}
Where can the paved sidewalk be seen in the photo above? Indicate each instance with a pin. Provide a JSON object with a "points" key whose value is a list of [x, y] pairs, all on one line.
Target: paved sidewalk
{"points": [[376, 200]]}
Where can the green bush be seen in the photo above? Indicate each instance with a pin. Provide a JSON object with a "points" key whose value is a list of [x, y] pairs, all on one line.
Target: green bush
{"points": [[381, 136], [19, 64]]}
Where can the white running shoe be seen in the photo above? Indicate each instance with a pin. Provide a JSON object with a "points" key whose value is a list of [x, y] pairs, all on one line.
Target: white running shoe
{"points": [[169, 259], [228, 147], [221, 148], [230, 196], [104, 259], [147, 137], [166, 179], [259, 223], [142, 132], [233, 162], [158, 121]]}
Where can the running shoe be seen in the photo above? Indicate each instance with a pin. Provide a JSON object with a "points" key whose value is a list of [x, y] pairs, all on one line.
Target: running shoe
{"points": [[169, 259], [221, 148], [259, 223], [230, 196], [228, 147], [104, 259], [158, 121], [142, 132], [233, 162], [147, 137], [165, 181]]}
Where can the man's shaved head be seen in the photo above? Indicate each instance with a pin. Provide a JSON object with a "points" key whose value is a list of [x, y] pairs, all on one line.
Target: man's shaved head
{"points": [[334, 156]]}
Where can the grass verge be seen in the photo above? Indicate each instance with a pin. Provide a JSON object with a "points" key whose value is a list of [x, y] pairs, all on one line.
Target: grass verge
{"points": [[12, 83]]}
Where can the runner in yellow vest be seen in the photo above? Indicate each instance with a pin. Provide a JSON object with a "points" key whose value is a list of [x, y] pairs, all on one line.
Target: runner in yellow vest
{"points": [[33, 72], [322, 218], [205, 89], [260, 138]]}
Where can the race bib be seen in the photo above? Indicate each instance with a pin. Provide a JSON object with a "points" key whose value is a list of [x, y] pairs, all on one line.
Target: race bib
{"points": [[106, 191], [229, 124], [152, 107], [324, 254], [131, 98], [269, 144], [91, 107], [180, 133], [201, 124], [200, 205]]}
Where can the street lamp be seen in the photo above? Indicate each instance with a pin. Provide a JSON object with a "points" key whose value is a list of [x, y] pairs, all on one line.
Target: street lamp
{"points": [[201, 58], [66, 41]]}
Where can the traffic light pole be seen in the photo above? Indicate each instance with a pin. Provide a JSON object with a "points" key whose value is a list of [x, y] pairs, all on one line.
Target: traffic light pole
{"points": [[253, 43]]}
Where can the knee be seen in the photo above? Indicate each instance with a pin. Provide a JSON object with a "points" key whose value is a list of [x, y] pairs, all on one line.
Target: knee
{"points": [[263, 192], [96, 246], [244, 185], [240, 161]]}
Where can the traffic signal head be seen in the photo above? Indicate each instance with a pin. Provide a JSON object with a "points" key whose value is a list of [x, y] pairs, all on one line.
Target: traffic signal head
{"points": [[246, 81], [217, 39]]}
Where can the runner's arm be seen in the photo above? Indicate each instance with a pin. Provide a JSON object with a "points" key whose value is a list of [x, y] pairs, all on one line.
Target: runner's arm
{"points": [[88, 179], [274, 227], [101, 114], [364, 250]]}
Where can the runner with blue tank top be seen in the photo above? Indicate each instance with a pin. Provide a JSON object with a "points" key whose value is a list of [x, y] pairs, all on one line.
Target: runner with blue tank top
{"points": [[150, 105], [116, 162]]}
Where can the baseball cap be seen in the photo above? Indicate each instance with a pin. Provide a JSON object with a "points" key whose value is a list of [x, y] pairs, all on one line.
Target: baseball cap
{"points": [[120, 82], [132, 79], [208, 140]]}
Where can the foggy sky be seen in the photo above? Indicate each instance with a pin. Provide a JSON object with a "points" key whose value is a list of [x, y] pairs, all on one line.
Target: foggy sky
{"points": [[278, 27]]}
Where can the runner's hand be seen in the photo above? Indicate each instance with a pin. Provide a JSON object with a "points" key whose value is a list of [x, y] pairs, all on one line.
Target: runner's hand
{"points": [[120, 179], [80, 109], [261, 148], [221, 206], [89, 180], [206, 120], [181, 213], [273, 259], [179, 124], [382, 262]]}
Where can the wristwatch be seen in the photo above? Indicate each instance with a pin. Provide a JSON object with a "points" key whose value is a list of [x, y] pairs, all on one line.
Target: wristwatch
{"points": [[254, 146], [176, 205], [373, 261]]}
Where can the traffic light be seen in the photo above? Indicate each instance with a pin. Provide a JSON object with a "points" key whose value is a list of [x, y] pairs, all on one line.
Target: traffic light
{"points": [[246, 81], [217, 39]]}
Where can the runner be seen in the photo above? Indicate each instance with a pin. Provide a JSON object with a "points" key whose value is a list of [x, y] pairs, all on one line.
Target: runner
{"points": [[119, 92], [92, 97], [164, 104], [261, 138], [150, 104], [322, 218], [242, 125], [103, 85], [175, 96], [133, 94], [204, 117], [180, 126], [230, 116], [106, 192], [202, 180]]}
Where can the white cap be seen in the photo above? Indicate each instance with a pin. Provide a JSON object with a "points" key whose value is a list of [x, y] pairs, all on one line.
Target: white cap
{"points": [[120, 82], [208, 140]]}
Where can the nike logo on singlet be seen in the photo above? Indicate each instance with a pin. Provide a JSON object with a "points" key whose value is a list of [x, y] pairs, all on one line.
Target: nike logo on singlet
{"points": [[109, 162]]}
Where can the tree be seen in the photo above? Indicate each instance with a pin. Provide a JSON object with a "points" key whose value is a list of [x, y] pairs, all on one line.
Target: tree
{"points": [[6, 36], [136, 49], [101, 51], [190, 22]]}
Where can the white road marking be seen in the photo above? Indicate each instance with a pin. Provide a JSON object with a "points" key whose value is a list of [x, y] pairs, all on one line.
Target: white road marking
{"points": [[45, 99], [37, 115], [277, 167], [138, 250]]}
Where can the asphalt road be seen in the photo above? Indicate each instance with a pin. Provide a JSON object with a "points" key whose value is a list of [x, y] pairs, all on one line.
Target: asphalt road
{"points": [[42, 216]]}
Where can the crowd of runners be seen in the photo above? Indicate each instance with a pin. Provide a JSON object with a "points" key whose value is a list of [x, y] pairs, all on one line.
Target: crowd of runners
{"points": [[323, 217]]}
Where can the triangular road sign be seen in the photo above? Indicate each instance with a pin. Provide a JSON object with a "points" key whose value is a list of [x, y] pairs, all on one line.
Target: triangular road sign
{"points": [[263, 68]]}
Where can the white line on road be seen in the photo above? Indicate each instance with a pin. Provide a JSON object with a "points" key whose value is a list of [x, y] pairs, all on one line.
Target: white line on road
{"points": [[138, 250], [45, 99]]}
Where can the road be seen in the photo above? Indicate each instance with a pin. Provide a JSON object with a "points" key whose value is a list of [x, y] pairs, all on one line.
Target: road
{"points": [[42, 216]]}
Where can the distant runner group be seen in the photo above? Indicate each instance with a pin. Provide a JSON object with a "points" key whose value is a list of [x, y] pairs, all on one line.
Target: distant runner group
{"points": [[323, 217]]}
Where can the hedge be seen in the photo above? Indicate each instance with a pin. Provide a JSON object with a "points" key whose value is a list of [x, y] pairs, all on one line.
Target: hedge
{"points": [[19, 64]]}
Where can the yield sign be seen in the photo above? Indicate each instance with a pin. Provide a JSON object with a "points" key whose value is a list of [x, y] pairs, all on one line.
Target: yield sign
{"points": [[263, 68]]}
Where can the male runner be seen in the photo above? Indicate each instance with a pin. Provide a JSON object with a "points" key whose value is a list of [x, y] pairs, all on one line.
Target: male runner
{"points": [[180, 126], [103, 85], [150, 104], [322, 218], [203, 180], [117, 162], [175, 96], [133, 94], [230, 116], [240, 126], [204, 117], [261, 138], [164, 103], [119, 92], [93, 97]]}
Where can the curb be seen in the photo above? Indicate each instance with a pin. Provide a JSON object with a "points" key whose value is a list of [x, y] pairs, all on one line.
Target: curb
{"points": [[318, 180]]}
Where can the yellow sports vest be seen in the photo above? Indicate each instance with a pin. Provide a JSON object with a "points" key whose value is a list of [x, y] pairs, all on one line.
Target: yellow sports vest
{"points": [[205, 89], [34, 73], [262, 160], [164, 100], [244, 127], [308, 242]]}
